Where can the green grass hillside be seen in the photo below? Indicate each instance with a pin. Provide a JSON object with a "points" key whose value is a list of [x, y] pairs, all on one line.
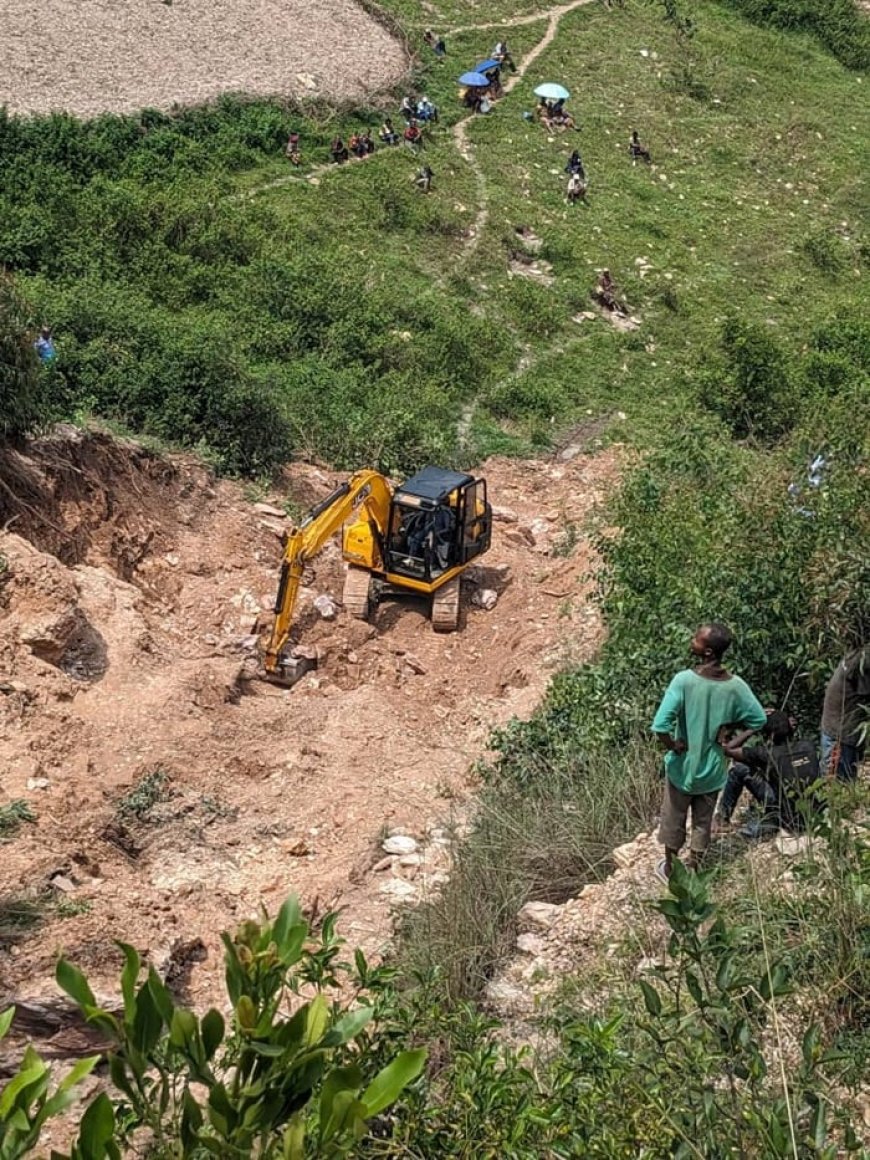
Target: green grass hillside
{"points": [[182, 297]]}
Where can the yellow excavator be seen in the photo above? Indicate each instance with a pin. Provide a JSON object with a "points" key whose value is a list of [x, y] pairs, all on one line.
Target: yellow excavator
{"points": [[416, 539]]}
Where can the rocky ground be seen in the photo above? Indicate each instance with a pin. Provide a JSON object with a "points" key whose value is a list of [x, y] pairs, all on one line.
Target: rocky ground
{"points": [[99, 56], [172, 796]]}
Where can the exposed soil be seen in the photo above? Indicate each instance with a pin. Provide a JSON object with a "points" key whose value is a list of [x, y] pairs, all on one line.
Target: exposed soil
{"points": [[173, 796], [97, 56]]}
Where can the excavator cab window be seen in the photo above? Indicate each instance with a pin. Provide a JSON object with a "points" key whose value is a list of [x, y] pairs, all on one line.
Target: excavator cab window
{"points": [[440, 519], [476, 518], [423, 540]]}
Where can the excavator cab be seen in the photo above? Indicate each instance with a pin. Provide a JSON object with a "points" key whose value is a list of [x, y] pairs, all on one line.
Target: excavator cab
{"points": [[439, 521]]}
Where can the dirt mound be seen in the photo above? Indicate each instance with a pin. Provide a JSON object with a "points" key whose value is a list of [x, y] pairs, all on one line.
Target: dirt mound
{"points": [[98, 56], [173, 796]]}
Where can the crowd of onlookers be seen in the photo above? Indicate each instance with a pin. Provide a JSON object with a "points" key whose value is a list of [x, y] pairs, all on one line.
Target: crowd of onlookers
{"points": [[480, 89]]}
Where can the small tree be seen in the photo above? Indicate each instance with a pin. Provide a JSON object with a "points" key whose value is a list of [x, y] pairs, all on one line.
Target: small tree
{"points": [[19, 367], [285, 1079]]}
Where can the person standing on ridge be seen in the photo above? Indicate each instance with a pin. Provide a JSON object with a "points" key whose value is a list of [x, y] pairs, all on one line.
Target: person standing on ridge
{"points": [[846, 715], [697, 704]]}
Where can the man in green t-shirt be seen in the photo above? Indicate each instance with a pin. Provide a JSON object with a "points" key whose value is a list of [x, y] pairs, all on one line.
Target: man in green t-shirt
{"points": [[697, 704]]}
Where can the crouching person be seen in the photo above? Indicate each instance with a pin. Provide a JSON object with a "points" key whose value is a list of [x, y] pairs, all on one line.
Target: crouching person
{"points": [[777, 774], [696, 706]]}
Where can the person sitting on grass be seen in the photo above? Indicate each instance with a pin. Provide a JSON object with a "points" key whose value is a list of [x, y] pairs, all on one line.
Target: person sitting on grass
{"points": [[388, 134], [292, 151], [436, 43], [502, 54], [637, 151], [777, 774], [423, 179], [413, 136], [493, 75], [408, 108], [574, 164], [697, 704], [426, 111], [605, 294], [576, 190], [560, 118], [353, 144], [338, 150], [471, 98]]}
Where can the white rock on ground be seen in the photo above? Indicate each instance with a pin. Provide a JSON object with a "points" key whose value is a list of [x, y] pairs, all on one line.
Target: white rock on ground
{"points": [[538, 915], [325, 606], [485, 598], [399, 844]]}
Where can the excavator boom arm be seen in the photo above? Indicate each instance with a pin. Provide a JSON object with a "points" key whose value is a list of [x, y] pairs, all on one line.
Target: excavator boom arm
{"points": [[368, 488]]}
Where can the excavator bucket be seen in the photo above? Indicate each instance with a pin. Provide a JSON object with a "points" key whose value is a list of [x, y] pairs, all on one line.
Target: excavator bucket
{"points": [[290, 669]]}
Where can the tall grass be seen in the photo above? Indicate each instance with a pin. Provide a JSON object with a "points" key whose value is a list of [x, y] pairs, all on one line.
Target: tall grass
{"points": [[541, 832]]}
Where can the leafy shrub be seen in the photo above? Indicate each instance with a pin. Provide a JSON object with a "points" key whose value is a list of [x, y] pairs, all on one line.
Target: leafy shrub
{"points": [[827, 251], [750, 385], [687, 1060], [26, 1104], [839, 24], [271, 1084], [20, 404]]}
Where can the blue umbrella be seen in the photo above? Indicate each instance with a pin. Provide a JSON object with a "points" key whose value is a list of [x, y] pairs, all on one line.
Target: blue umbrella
{"points": [[475, 80], [486, 65], [552, 92]]}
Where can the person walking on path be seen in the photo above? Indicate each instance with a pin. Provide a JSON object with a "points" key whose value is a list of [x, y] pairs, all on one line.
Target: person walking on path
{"points": [[846, 715], [697, 704]]}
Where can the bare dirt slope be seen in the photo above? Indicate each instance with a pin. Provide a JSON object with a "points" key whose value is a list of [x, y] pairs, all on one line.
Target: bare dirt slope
{"points": [[130, 588], [95, 56]]}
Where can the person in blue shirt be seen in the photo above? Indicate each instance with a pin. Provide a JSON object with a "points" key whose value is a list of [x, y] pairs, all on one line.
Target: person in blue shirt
{"points": [[44, 346]]}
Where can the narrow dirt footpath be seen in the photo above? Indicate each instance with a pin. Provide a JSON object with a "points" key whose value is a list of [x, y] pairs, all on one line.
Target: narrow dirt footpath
{"points": [[173, 798], [460, 130]]}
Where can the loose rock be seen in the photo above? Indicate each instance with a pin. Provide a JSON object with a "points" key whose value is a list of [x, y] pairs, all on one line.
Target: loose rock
{"points": [[503, 515], [538, 915], [268, 509], [399, 889], [399, 844], [326, 607]]}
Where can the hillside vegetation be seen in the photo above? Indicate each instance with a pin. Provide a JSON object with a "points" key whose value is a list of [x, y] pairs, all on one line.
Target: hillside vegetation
{"points": [[202, 294], [190, 311]]}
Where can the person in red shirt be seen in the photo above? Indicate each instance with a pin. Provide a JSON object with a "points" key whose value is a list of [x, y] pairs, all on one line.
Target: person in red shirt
{"points": [[413, 136]]}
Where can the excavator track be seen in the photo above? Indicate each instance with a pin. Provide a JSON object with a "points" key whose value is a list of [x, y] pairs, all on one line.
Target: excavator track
{"points": [[356, 593], [445, 607]]}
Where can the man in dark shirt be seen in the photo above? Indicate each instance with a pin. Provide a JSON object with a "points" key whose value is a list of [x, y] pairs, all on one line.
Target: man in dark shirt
{"points": [[845, 715], [776, 773]]}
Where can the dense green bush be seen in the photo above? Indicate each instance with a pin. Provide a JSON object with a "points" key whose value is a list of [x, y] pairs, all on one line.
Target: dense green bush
{"points": [[685, 1060], [20, 404], [712, 532], [189, 314], [291, 1074], [839, 24], [749, 385]]}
